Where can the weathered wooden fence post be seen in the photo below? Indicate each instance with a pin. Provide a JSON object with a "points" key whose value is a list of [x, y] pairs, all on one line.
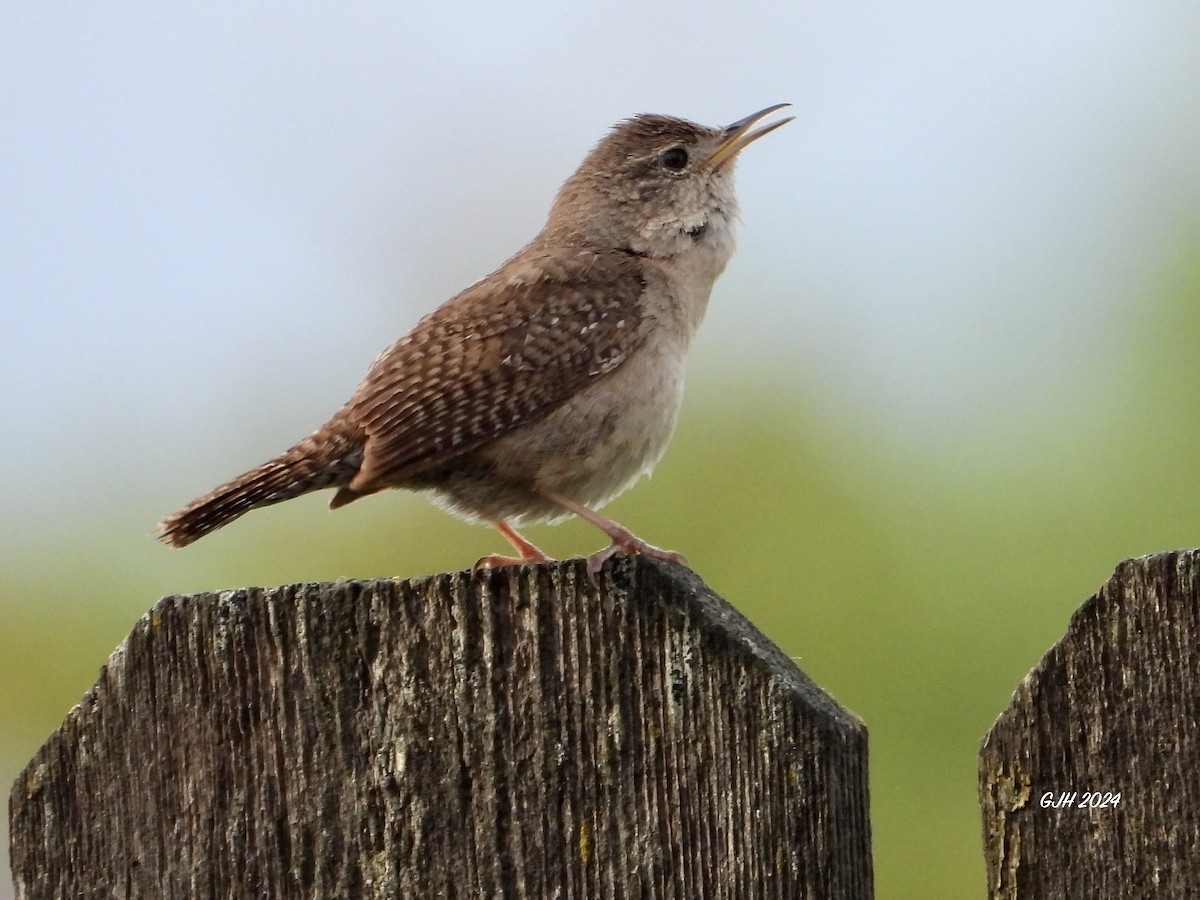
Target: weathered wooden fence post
{"points": [[516, 734], [1090, 780]]}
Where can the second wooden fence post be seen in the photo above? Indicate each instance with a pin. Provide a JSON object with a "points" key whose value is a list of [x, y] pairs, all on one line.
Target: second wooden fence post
{"points": [[1090, 780]]}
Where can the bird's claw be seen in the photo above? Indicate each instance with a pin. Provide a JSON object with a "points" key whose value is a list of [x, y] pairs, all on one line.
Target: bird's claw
{"points": [[496, 561], [596, 561]]}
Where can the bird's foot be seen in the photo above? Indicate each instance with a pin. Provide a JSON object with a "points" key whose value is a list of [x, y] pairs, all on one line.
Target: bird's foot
{"points": [[624, 541], [497, 561], [529, 553], [628, 544]]}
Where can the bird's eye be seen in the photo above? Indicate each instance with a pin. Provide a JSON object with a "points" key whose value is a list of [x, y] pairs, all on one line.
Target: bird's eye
{"points": [[674, 158]]}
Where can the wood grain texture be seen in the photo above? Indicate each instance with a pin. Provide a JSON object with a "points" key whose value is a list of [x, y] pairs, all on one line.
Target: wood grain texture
{"points": [[516, 734], [1113, 707]]}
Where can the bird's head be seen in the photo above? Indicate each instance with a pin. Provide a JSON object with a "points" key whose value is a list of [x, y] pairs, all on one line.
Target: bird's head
{"points": [[657, 186]]}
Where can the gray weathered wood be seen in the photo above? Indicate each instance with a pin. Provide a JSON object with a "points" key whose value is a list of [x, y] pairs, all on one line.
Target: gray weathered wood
{"points": [[1113, 707], [516, 734]]}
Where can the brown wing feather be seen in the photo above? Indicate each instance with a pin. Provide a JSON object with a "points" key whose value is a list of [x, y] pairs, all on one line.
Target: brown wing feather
{"points": [[503, 353]]}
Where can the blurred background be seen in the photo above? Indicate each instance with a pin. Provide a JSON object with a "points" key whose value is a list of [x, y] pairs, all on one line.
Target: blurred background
{"points": [[948, 382]]}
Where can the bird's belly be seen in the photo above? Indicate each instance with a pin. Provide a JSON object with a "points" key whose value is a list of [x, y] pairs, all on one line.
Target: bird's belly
{"points": [[590, 449]]}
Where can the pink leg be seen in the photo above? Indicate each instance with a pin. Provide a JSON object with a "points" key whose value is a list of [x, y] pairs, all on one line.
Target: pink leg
{"points": [[529, 553], [623, 540]]}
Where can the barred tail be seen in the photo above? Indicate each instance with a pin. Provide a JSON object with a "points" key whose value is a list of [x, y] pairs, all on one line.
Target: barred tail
{"points": [[298, 471]]}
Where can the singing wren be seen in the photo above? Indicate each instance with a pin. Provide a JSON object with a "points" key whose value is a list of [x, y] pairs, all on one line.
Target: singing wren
{"points": [[550, 386]]}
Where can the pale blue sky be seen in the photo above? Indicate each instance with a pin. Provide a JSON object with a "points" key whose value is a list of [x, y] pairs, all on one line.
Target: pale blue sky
{"points": [[213, 218]]}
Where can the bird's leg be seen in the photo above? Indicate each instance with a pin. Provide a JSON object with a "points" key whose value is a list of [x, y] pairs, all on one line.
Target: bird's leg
{"points": [[623, 540], [529, 553]]}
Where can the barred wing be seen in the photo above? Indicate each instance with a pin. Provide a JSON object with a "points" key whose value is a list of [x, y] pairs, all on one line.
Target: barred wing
{"points": [[505, 352]]}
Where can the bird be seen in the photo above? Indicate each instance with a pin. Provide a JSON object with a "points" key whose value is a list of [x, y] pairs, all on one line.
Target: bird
{"points": [[551, 385]]}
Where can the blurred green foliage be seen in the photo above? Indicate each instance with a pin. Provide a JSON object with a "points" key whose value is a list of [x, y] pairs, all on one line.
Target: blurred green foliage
{"points": [[917, 585]]}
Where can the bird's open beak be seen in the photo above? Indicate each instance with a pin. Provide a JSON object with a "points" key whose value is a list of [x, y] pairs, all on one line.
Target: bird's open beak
{"points": [[739, 135]]}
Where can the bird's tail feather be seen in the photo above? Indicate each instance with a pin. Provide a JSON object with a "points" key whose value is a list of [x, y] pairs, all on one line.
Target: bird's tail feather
{"points": [[297, 471]]}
